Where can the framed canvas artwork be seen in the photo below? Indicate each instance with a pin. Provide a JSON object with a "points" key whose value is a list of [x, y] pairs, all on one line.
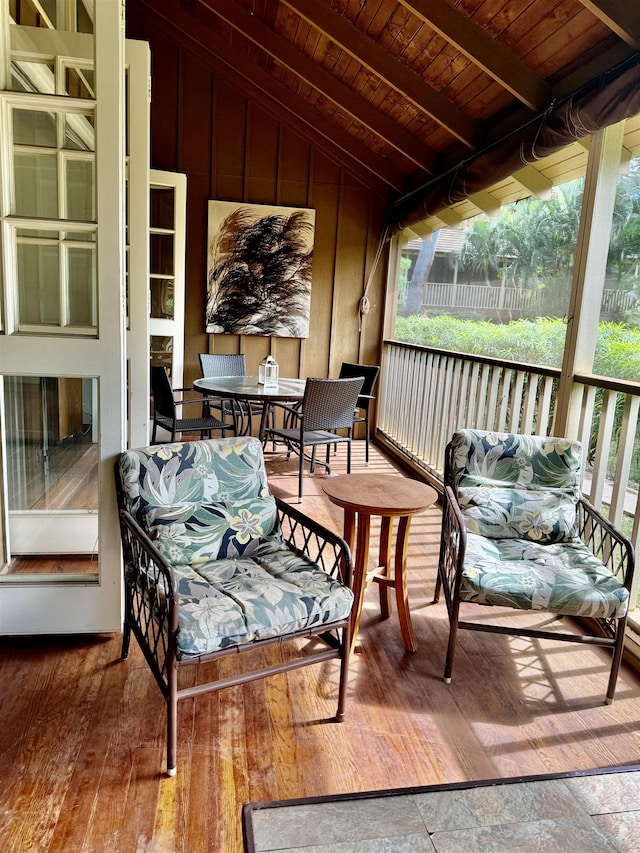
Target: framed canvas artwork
{"points": [[259, 261]]}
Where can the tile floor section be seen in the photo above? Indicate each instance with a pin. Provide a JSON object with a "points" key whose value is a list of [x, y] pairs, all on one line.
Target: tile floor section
{"points": [[589, 812]]}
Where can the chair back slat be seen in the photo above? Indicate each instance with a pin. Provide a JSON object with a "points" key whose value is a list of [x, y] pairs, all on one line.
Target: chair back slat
{"points": [[329, 403], [369, 371], [215, 364]]}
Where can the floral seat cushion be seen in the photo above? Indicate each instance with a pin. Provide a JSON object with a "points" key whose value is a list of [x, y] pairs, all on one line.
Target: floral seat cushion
{"points": [[229, 602], [561, 578]]}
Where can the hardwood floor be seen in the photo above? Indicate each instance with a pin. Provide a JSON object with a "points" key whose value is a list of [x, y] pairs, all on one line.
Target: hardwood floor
{"points": [[82, 741]]}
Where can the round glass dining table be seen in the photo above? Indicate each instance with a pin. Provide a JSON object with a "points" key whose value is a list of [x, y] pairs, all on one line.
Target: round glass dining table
{"points": [[247, 388]]}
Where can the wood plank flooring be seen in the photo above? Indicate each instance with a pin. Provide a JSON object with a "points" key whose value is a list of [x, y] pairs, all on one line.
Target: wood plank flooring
{"points": [[82, 739]]}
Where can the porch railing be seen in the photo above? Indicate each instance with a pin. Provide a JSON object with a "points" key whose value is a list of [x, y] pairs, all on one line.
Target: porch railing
{"points": [[427, 394]]}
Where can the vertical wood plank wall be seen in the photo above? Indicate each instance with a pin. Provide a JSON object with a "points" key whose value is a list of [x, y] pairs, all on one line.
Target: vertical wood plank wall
{"points": [[233, 148]]}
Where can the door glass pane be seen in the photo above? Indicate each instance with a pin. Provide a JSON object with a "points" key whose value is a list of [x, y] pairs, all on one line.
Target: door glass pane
{"points": [[33, 77], [161, 251], [38, 278], [80, 190], [79, 82], [36, 185], [34, 127], [82, 286], [52, 474], [161, 298], [79, 132], [43, 300], [161, 214], [162, 350]]}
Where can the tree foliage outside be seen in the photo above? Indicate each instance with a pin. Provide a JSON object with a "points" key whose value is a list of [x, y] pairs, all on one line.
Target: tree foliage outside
{"points": [[531, 245], [535, 342]]}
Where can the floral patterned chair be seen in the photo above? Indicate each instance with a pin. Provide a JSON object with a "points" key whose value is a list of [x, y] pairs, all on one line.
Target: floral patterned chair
{"points": [[215, 565], [516, 532]]}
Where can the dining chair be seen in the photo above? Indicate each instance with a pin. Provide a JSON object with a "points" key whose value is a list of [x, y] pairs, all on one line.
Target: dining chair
{"points": [[328, 405], [365, 398], [224, 364], [518, 533], [166, 407]]}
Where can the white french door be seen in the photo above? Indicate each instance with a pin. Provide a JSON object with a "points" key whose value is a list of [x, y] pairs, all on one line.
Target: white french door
{"points": [[63, 308]]}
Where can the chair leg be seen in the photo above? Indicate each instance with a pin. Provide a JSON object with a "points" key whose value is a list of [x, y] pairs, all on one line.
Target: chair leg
{"points": [[349, 456], [300, 471], [453, 634], [172, 723], [126, 639], [366, 437], [344, 671], [436, 592], [617, 660]]}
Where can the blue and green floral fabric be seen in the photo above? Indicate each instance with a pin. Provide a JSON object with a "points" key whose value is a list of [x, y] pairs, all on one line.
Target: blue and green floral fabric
{"points": [[516, 486], [518, 496], [561, 578], [275, 592], [207, 507]]}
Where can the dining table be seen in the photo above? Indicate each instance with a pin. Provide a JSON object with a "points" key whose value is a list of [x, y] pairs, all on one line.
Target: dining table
{"points": [[247, 389]]}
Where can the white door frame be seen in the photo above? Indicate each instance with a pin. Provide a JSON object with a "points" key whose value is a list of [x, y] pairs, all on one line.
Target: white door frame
{"points": [[87, 603]]}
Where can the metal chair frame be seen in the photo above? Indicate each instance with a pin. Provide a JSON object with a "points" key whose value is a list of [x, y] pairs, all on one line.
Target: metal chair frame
{"points": [[328, 405], [596, 532], [152, 602], [166, 407], [370, 373]]}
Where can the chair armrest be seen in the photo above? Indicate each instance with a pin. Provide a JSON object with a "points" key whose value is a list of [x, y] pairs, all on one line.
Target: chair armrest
{"points": [[291, 414], [151, 593], [453, 544], [316, 542], [606, 542]]}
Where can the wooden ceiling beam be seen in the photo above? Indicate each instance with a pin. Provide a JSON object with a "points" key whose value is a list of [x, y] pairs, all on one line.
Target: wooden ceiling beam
{"points": [[621, 16], [486, 202], [379, 61], [483, 50], [340, 94], [534, 181], [251, 80]]}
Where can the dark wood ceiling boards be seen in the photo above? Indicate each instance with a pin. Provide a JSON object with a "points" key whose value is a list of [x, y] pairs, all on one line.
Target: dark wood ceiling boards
{"points": [[405, 90]]}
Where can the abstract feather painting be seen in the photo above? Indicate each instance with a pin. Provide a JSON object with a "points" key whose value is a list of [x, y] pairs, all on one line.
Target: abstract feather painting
{"points": [[259, 269]]}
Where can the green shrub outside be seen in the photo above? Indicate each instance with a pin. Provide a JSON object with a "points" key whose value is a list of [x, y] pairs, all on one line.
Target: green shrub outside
{"points": [[537, 342]]}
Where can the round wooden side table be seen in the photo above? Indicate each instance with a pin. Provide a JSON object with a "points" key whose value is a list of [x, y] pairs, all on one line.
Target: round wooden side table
{"points": [[390, 496]]}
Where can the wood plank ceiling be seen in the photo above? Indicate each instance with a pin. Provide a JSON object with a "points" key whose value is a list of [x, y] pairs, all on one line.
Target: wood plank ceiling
{"points": [[406, 90]]}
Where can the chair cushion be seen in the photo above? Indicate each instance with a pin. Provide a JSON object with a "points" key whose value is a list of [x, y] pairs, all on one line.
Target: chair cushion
{"points": [[216, 471], [231, 602], [558, 578], [516, 486], [195, 533], [538, 515], [481, 458]]}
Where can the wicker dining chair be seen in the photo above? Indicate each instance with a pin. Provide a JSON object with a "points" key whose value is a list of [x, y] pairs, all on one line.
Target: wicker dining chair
{"points": [[328, 405], [223, 364]]}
